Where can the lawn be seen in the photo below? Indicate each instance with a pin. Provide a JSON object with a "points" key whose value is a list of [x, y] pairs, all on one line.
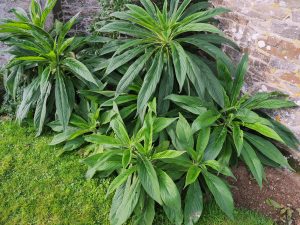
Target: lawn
{"points": [[39, 187]]}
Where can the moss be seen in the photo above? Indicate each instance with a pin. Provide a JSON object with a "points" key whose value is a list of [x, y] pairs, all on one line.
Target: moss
{"points": [[39, 187]]}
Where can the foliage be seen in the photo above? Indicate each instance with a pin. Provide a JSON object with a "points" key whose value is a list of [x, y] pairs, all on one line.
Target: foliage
{"points": [[240, 128], [46, 63], [37, 187], [159, 158], [161, 43], [148, 171]]}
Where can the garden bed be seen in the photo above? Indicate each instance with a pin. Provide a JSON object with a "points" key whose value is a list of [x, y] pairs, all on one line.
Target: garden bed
{"points": [[38, 187]]}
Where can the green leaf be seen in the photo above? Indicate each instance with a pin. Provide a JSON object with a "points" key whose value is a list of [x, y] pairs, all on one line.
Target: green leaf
{"points": [[144, 212], [63, 108], [193, 206], [120, 179], [118, 60], [239, 79], [168, 154], [102, 140], [202, 141], [204, 120], [267, 149], [132, 72], [192, 175], [119, 129], [79, 69], [149, 178], [253, 163], [126, 159], [220, 192], [217, 139], [124, 201], [189, 103], [264, 130], [161, 123], [179, 61], [238, 137], [150, 82], [170, 197], [184, 133]]}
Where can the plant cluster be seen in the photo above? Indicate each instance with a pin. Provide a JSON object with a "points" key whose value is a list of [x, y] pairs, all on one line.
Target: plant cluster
{"points": [[160, 105]]}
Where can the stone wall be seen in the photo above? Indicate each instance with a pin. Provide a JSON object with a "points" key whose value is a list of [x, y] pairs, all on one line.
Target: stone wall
{"points": [[269, 30], [5, 6], [87, 8]]}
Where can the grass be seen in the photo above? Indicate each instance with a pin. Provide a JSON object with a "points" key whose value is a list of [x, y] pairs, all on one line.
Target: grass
{"points": [[38, 187]]}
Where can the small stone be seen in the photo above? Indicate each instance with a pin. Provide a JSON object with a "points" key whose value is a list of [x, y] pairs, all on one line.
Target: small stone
{"points": [[298, 102], [261, 44], [268, 47], [264, 88]]}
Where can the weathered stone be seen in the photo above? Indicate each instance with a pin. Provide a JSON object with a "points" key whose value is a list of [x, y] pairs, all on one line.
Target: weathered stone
{"points": [[270, 32], [296, 15], [286, 30]]}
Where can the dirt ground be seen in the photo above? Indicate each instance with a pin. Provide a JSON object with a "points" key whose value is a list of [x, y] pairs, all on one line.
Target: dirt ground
{"points": [[280, 186]]}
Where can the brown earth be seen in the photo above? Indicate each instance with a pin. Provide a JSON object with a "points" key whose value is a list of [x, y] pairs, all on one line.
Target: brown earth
{"points": [[282, 186]]}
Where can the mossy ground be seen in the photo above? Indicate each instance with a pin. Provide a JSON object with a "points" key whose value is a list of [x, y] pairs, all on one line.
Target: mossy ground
{"points": [[39, 187]]}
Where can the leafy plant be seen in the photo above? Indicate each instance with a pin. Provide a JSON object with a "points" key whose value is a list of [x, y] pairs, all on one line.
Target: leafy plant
{"points": [[240, 128], [140, 182], [47, 63], [148, 169], [165, 42], [199, 172]]}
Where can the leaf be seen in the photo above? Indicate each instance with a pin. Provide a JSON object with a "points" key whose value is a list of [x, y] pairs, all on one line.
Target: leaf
{"points": [[189, 103], [264, 130], [124, 202], [150, 82], [220, 192], [126, 159], [193, 206], [204, 120], [192, 175], [120, 179], [79, 69], [267, 149], [253, 163], [63, 108], [179, 62], [239, 79], [118, 60], [132, 72], [202, 141], [212, 84], [119, 129], [102, 140], [170, 197], [149, 178], [238, 137], [144, 212], [161, 123], [217, 139], [184, 133], [167, 154]]}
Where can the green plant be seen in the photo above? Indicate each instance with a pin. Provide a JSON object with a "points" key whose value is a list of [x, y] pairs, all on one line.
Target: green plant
{"points": [[139, 183], [164, 44], [241, 125], [199, 172], [46, 63], [148, 170]]}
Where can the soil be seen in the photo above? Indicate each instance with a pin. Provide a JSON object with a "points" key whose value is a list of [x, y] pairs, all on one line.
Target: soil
{"points": [[281, 186]]}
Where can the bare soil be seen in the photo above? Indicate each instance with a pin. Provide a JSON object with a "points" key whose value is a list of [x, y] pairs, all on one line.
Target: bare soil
{"points": [[282, 186]]}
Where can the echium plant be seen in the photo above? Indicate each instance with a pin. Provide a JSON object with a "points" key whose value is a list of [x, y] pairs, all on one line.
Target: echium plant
{"points": [[152, 171], [163, 44], [241, 128], [45, 62], [140, 182]]}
